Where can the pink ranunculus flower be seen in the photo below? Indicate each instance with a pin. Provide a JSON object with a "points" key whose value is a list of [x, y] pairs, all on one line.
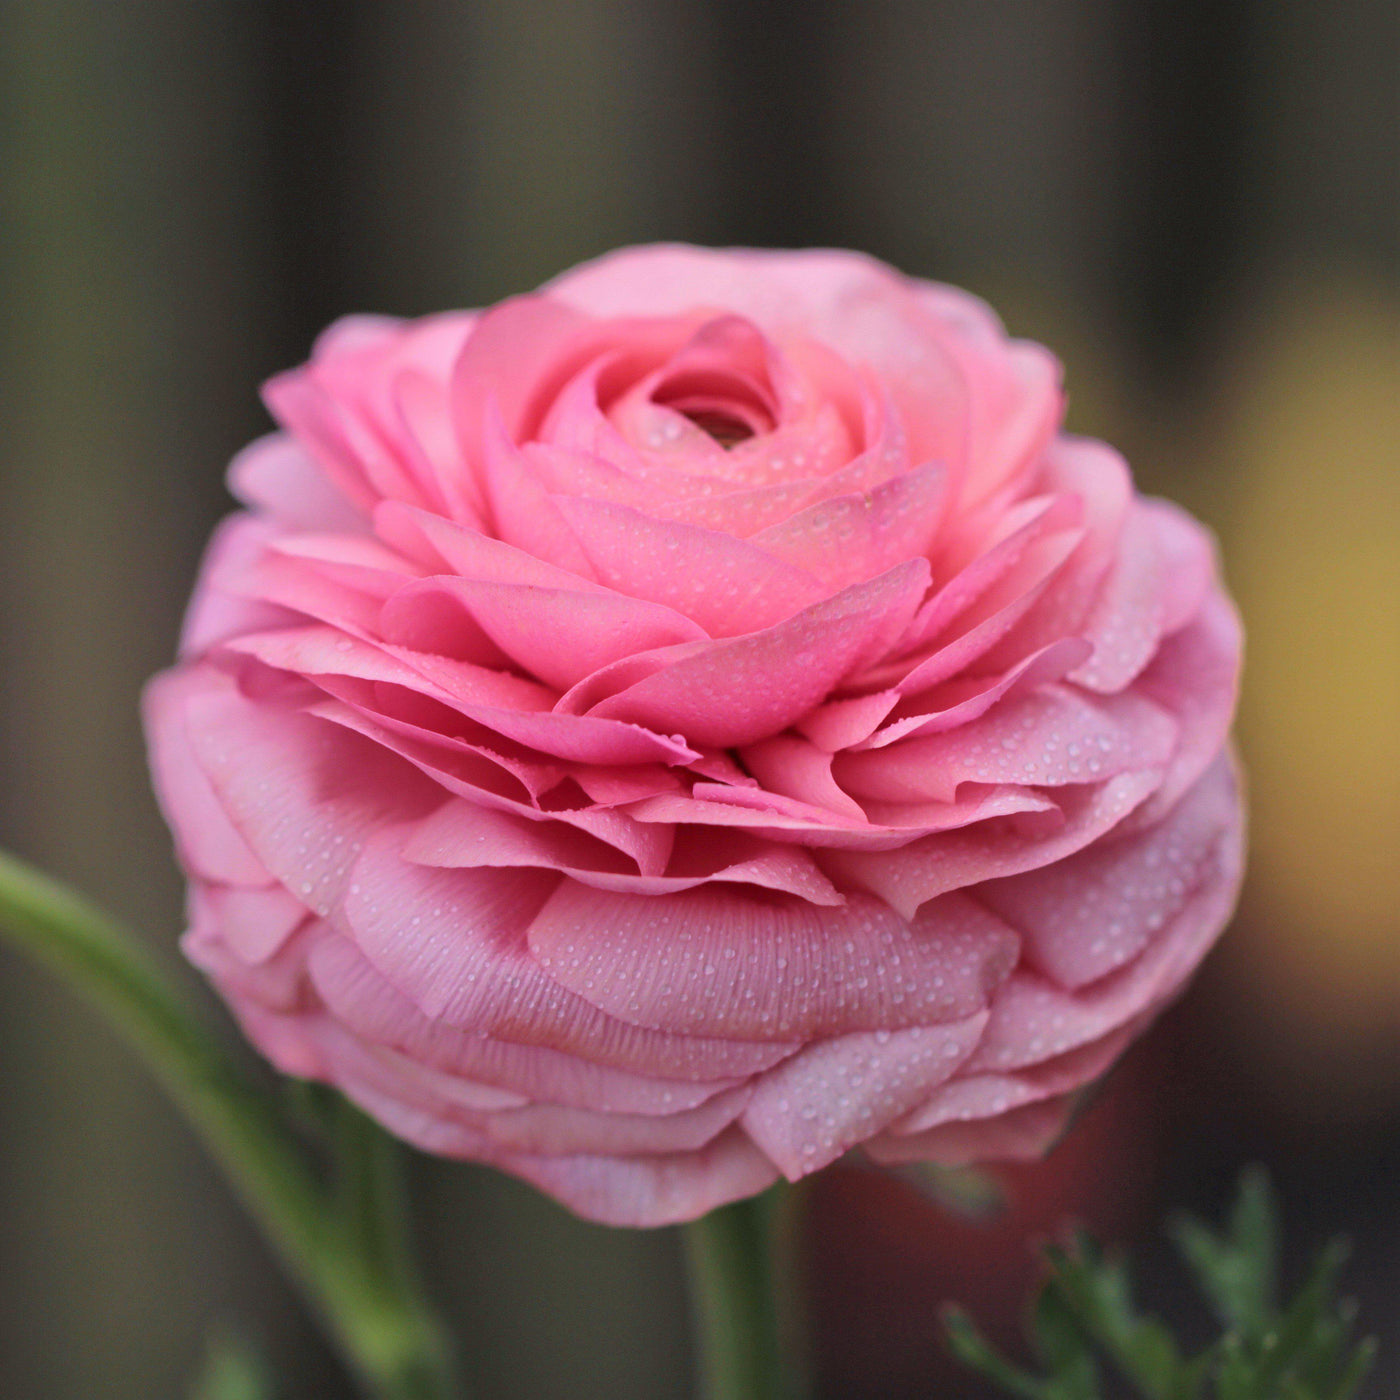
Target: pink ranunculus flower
{"points": [[663, 732]]}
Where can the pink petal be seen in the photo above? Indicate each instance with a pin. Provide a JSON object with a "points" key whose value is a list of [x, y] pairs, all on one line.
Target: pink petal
{"points": [[518, 355], [1125, 622], [1089, 914], [1099, 479], [715, 961], [980, 1096], [500, 701], [836, 1093], [1195, 677], [794, 767], [553, 1129], [255, 924], [856, 306], [367, 1005], [839, 724], [466, 963], [525, 513], [354, 560], [1018, 1135], [357, 331], [318, 425], [561, 637], [214, 615], [252, 571], [770, 288], [1189, 565], [974, 804], [850, 538], [964, 699], [727, 585], [276, 475], [1053, 736], [977, 630], [1015, 405], [304, 794], [987, 553], [933, 865], [738, 691], [1033, 1019], [391, 385], [209, 843], [276, 982], [461, 835], [650, 1191], [469, 552], [741, 513]]}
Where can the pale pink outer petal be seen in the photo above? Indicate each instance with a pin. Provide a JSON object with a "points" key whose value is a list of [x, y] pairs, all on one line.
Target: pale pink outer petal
{"points": [[1089, 914], [304, 794], [838, 1092], [1033, 1019], [254, 923], [209, 843], [275, 475], [358, 997], [984, 1095], [642, 1190], [214, 615], [1054, 736], [1195, 677], [556, 1130], [470, 967], [1018, 1135], [720, 962], [933, 865]]}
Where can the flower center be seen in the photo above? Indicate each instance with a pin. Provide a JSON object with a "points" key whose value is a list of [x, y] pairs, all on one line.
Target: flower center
{"points": [[725, 428]]}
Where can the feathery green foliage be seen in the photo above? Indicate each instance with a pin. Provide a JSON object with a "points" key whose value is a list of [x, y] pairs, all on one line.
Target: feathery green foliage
{"points": [[1084, 1324]]}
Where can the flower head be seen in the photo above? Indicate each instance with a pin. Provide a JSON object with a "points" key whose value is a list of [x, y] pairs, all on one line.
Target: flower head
{"points": [[668, 730]]}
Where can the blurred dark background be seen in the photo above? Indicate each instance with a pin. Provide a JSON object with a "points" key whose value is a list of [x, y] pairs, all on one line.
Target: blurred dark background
{"points": [[1196, 205]]}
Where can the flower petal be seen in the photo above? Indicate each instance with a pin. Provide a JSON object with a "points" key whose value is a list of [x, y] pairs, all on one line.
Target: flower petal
{"points": [[715, 961], [743, 689], [836, 1093]]}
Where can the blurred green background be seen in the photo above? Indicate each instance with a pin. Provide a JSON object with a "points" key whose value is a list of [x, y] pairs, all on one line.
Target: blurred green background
{"points": [[1196, 206]]}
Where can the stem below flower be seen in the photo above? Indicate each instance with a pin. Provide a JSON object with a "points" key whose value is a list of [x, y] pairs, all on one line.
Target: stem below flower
{"points": [[345, 1247], [734, 1300]]}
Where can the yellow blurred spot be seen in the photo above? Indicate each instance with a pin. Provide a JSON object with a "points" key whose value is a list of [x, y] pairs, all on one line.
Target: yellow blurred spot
{"points": [[1314, 558]]}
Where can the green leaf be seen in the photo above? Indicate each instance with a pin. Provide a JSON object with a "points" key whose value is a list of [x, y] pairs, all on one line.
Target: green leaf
{"points": [[975, 1352], [1085, 1308], [1063, 1349], [1098, 1292], [1355, 1371], [1237, 1270], [1287, 1348]]}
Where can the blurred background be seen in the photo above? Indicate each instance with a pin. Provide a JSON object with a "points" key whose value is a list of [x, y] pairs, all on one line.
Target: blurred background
{"points": [[1195, 205]]}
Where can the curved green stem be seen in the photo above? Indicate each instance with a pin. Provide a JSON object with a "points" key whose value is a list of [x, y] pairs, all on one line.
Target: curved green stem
{"points": [[735, 1299], [345, 1247]]}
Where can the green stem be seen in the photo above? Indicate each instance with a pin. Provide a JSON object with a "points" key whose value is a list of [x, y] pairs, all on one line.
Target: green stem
{"points": [[344, 1248], [734, 1300]]}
